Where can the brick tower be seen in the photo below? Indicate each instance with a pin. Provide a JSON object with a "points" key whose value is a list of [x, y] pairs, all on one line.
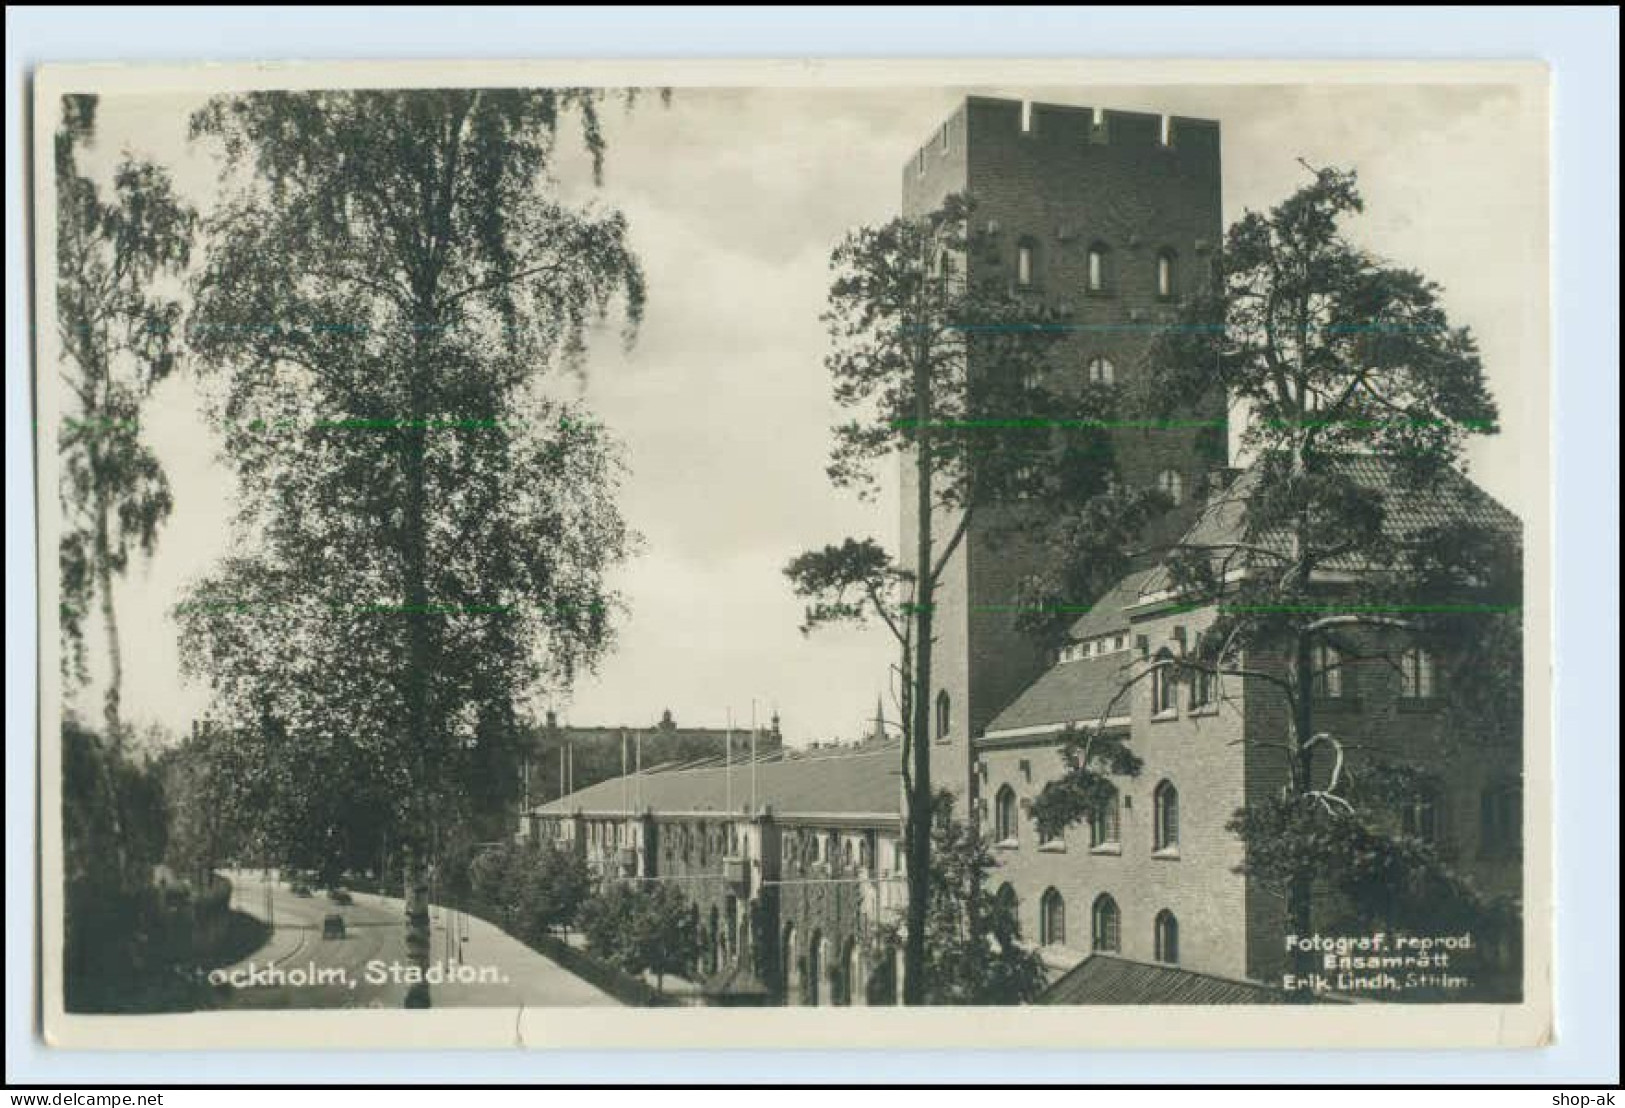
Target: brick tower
{"points": [[1110, 217]]}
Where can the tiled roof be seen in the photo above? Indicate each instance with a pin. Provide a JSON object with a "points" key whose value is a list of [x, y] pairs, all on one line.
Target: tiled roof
{"points": [[1451, 499], [1105, 979], [1108, 615], [866, 781], [1066, 693]]}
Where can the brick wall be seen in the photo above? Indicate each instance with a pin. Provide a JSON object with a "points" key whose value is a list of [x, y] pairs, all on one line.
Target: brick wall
{"points": [[1063, 185], [1197, 754]]}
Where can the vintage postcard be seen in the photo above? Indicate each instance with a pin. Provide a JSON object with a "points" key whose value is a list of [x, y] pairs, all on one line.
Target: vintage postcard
{"points": [[801, 551]]}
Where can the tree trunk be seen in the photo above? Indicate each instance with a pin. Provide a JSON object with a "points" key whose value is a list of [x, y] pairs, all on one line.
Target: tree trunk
{"points": [[419, 661], [417, 924], [111, 710], [1300, 891], [114, 725], [919, 803]]}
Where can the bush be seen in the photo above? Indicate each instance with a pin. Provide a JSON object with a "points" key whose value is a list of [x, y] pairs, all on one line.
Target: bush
{"points": [[643, 929]]}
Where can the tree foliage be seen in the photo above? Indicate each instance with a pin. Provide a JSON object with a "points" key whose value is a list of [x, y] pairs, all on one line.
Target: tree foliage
{"points": [[973, 937], [1362, 396], [423, 533], [644, 928], [119, 336], [949, 373], [533, 887]]}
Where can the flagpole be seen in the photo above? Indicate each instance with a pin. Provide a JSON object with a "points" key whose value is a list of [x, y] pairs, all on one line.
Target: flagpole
{"points": [[753, 808]]}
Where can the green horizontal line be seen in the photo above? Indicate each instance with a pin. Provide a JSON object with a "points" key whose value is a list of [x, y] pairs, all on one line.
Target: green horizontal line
{"points": [[1035, 422], [384, 609], [1286, 608], [1180, 424]]}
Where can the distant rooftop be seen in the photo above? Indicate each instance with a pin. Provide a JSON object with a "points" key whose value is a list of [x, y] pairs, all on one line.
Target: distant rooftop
{"points": [[845, 781]]}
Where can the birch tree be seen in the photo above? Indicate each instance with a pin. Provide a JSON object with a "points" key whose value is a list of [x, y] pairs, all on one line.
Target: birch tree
{"points": [[423, 534]]}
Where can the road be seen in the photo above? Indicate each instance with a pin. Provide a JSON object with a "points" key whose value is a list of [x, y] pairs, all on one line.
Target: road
{"points": [[299, 968]]}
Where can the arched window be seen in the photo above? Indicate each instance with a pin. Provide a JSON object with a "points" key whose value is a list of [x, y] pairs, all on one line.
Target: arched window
{"points": [[944, 715], [1167, 938], [1103, 822], [1004, 815], [1005, 897], [1026, 263], [1423, 818], [1165, 832], [1167, 275], [1327, 668], [1101, 371], [1164, 685], [1202, 678], [1051, 919], [1106, 933], [1172, 486], [1416, 675], [1099, 276]]}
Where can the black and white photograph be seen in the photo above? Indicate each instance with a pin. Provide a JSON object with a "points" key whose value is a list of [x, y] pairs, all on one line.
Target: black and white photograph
{"points": [[522, 542]]}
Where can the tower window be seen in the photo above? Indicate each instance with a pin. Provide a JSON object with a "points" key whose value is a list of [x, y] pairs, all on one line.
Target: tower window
{"points": [[1167, 938], [944, 713], [1026, 117], [1052, 918], [1166, 823], [1172, 485], [1101, 371], [1108, 923], [1004, 815], [942, 138], [1026, 259], [1099, 276], [1166, 275]]}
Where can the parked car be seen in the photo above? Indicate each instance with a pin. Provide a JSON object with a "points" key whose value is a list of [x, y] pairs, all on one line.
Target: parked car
{"points": [[333, 926], [340, 896], [301, 888]]}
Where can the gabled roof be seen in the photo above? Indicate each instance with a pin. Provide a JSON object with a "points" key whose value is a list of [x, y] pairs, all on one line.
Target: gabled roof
{"points": [[1106, 979], [1449, 499], [848, 782], [1108, 614], [1068, 692], [1080, 691]]}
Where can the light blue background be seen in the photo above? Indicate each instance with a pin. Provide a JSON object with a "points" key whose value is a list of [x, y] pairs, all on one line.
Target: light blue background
{"points": [[1581, 44]]}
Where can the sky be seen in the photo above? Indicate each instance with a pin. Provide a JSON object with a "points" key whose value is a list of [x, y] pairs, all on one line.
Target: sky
{"points": [[735, 198]]}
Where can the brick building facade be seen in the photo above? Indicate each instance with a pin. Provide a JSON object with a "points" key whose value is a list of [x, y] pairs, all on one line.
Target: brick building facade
{"points": [[1110, 217], [791, 865], [1156, 879]]}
